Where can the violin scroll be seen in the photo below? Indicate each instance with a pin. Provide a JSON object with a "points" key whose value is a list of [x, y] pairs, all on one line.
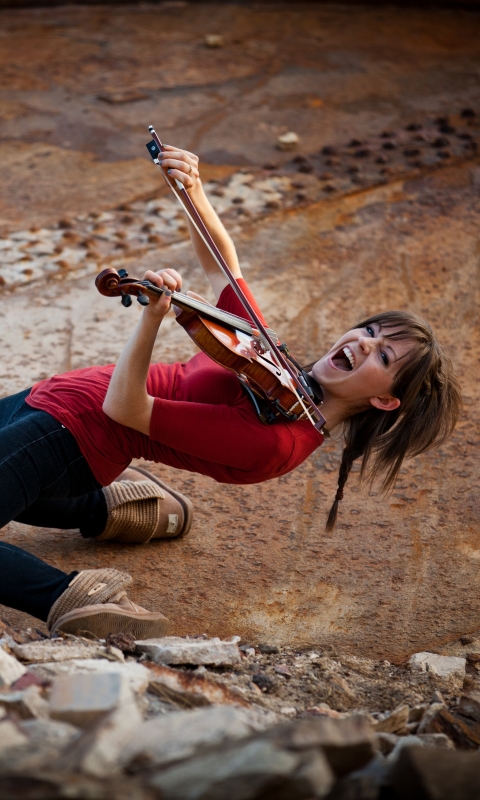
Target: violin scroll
{"points": [[111, 283], [108, 281]]}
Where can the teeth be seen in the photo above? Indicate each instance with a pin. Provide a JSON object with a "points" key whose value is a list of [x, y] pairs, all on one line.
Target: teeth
{"points": [[349, 355]]}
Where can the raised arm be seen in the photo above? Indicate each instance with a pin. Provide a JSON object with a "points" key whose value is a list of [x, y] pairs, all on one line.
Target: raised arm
{"points": [[127, 400], [183, 166]]}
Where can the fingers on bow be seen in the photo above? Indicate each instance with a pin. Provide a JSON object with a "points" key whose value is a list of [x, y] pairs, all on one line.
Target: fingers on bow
{"points": [[180, 164]]}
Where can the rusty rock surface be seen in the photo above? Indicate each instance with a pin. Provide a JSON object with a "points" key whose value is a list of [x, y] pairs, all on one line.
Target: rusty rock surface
{"points": [[399, 574]]}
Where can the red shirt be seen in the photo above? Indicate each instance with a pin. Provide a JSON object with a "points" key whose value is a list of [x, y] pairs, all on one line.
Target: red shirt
{"points": [[202, 420]]}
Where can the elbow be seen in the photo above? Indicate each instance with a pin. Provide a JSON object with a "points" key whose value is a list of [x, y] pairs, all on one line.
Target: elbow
{"points": [[112, 410]]}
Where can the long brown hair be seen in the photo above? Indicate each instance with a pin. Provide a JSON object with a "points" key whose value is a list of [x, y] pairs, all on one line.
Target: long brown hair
{"points": [[430, 404]]}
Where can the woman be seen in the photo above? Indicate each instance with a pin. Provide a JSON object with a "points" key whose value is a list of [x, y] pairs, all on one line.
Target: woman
{"points": [[386, 384]]}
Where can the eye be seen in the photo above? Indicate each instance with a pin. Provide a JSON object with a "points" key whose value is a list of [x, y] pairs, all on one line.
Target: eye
{"points": [[370, 330], [384, 358]]}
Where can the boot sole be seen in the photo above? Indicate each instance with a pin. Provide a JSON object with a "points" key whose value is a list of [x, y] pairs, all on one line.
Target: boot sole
{"points": [[186, 504], [102, 623]]}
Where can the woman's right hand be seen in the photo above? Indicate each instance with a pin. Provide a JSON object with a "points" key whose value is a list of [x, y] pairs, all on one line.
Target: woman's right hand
{"points": [[180, 164]]}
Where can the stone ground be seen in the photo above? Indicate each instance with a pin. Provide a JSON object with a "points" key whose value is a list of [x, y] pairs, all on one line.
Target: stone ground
{"points": [[196, 718], [377, 207]]}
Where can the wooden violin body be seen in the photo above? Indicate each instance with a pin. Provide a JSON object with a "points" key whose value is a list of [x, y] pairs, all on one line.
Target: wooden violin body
{"points": [[227, 339]]}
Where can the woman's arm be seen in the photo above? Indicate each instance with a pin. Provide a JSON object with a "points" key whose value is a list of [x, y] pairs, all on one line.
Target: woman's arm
{"points": [[127, 400], [177, 163]]}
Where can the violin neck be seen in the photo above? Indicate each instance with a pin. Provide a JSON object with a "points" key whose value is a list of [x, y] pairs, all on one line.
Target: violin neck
{"points": [[187, 303]]}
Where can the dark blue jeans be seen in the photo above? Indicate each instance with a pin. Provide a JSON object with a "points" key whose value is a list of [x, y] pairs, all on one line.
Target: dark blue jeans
{"points": [[44, 481]]}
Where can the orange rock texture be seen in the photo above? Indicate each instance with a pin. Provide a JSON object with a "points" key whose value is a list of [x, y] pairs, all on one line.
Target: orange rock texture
{"points": [[325, 234]]}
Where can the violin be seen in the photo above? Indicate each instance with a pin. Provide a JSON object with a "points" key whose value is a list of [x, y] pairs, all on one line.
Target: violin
{"points": [[231, 341], [265, 367]]}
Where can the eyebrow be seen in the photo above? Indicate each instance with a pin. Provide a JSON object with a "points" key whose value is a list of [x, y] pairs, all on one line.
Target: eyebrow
{"points": [[389, 347]]}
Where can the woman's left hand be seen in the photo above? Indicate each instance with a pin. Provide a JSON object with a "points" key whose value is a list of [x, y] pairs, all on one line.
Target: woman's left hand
{"points": [[172, 281], [180, 164]]}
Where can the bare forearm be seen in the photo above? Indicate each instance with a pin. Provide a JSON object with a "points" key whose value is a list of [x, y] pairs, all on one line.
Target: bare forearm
{"points": [[183, 167], [127, 400], [220, 237]]}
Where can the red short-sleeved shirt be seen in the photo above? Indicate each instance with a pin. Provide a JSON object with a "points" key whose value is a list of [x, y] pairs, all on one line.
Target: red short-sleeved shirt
{"points": [[202, 420]]}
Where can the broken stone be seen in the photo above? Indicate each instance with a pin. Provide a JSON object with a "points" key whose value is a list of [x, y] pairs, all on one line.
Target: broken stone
{"points": [[264, 682], [386, 742], [98, 750], [347, 743], [26, 680], [426, 740], [435, 774], [81, 699], [175, 650], [123, 641], [268, 649], [248, 770], [55, 650], [27, 703], [443, 666], [136, 675], [396, 721], [164, 740], [417, 712], [469, 705], [465, 732], [10, 736], [428, 717], [48, 732], [10, 668], [214, 40], [188, 689], [287, 141]]}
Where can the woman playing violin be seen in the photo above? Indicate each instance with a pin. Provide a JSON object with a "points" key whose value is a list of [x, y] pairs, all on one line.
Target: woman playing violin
{"points": [[66, 444]]}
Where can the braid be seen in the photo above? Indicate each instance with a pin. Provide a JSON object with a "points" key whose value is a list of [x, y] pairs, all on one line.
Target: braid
{"points": [[348, 457], [361, 432]]}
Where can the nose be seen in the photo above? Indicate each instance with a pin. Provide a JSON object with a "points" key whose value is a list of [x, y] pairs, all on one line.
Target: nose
{"points": [[368, 343]]}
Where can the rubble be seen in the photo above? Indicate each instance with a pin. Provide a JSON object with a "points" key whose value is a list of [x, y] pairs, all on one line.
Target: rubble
{"points": [[229, 720], [175, 650], [444, 666], [436, 775], [248, 770], [10, 668], [27, 703], [164, 740], [81, 699], [187, 690], [136, 675], [98, 750], [287, 141], [55, 650]]}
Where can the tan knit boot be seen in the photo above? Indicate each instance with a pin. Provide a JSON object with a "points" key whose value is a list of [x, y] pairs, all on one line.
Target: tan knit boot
{"points": [[141, 509], [96, 603]]}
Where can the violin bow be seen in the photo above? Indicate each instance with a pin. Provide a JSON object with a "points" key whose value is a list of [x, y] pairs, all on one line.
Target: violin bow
{"points": [[154, 148]]}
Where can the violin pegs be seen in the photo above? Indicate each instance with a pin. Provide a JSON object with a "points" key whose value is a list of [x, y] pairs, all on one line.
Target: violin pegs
{"points": [[123, 273], [126, 300], [143, 299]]}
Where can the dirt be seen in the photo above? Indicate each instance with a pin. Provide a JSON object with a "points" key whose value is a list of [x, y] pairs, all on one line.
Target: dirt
{"points": [[399, 574]]}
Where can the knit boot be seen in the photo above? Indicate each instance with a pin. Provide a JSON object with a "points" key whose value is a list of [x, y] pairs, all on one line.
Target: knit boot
{"points": [[96, 603], [140, 509]]}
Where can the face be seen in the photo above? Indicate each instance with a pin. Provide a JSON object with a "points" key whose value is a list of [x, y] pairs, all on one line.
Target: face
{"points": [[360, 368]]}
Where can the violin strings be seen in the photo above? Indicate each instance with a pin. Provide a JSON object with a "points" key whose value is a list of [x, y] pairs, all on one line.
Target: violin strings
{"points": [[180, 193]]}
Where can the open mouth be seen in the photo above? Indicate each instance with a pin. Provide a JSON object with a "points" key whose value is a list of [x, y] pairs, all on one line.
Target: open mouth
{"points": [[344, 359]]}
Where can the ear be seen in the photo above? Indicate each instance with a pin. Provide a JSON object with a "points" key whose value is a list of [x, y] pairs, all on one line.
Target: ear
{"points": [[385, 403]]}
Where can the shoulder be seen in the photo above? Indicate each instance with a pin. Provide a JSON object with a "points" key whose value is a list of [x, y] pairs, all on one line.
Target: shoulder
{"points": [[228, 301]]}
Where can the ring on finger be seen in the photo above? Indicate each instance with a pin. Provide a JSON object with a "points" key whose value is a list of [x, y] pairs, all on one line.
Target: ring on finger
{"points": [[189, 169]]}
